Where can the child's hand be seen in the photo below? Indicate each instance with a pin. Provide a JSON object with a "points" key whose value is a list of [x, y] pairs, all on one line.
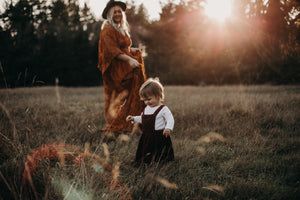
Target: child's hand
{"points": [[129, 118], [167, 132]]}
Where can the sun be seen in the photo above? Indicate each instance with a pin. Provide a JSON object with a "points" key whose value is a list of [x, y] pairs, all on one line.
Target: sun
{"points": [[218, 9]]}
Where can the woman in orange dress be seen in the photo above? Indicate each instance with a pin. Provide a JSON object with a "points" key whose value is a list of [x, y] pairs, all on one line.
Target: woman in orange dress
{"points": [[122, 68]]}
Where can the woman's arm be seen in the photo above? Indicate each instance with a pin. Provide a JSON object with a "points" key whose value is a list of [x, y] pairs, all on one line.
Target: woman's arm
{"points": [[109, 49], [132, 62]]}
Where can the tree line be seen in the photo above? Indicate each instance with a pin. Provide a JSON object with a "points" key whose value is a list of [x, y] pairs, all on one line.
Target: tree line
{"points": [[43, 40]]}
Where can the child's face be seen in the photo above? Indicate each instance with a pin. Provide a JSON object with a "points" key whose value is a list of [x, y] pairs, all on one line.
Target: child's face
{"points": [[151, 100]]}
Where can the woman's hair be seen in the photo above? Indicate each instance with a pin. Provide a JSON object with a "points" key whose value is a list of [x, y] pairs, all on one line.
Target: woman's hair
{"points": [[152, 87], [123, 28]]}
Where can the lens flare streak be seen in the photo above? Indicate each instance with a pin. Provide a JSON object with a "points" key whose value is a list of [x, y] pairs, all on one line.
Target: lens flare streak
{"points": [[76, 155]]}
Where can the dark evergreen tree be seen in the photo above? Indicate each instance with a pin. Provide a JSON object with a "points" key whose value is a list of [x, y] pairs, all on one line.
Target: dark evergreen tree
{"points": [[41, 40]]}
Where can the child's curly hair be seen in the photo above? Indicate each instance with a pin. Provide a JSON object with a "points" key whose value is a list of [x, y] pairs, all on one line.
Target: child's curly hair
{"points": [[152, 87]]}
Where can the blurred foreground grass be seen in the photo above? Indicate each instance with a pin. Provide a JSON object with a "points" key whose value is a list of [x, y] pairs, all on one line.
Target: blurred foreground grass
{"points": [[230, 142]]}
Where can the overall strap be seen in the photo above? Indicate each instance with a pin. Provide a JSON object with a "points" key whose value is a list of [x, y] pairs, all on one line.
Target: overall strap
{"points": [[143, 111], [158, 109]]}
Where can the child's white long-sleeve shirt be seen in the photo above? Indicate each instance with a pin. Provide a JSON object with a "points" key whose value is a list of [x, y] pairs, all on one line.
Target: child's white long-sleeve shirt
{"points": [[164, 119]]}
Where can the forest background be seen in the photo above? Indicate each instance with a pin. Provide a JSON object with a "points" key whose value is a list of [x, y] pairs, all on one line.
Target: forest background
{"points": [[43, 40]]}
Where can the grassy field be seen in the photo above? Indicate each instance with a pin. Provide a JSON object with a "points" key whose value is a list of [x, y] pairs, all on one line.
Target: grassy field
{"points": [[230, 142]]}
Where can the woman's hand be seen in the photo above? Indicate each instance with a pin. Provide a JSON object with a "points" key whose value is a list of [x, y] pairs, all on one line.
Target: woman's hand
{"points": [[134, 51], [131, 61]]}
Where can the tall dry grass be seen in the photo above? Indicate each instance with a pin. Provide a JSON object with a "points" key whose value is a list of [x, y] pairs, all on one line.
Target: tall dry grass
{"points": [[230, 142]]}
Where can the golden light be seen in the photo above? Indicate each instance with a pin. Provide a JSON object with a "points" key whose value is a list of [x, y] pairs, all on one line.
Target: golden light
{"points": [[218, 9]]}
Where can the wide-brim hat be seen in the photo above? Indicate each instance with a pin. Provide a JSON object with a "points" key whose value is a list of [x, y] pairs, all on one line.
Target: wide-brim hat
{"points": [[110, 4]]}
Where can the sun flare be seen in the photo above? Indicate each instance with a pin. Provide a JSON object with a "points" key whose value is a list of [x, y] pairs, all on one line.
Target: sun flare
{"points": [[218, 9]]}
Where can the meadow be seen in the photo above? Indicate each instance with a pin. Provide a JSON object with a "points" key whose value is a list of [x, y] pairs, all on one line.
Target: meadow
{"points": [[230, 142]]}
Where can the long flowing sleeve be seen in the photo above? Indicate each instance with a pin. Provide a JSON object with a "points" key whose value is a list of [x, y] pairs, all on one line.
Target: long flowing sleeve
{"points": [[108, 47]]}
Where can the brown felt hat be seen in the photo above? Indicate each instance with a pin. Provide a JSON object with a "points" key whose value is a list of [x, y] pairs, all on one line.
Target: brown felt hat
{"points": [[110, 4]]}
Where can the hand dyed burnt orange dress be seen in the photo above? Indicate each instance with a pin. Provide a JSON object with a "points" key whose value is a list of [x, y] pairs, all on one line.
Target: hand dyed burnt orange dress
{"points": [[120, 81]]}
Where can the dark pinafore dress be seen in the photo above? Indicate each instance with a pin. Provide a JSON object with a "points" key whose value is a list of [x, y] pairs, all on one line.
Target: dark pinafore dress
{"points": [[153, 145]]}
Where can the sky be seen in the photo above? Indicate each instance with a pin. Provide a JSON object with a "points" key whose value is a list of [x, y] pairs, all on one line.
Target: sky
{"points": [[97, 6]]}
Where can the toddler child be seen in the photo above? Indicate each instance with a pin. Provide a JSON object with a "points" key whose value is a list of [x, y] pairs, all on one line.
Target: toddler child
{"points": [[157, 123]]}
